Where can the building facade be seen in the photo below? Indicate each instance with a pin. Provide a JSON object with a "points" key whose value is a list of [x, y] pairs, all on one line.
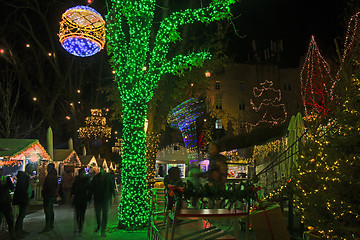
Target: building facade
{"points": [[244, 94]]}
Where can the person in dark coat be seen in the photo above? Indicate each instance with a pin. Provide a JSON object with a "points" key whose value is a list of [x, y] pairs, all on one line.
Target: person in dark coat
{"points": [[22, 196], [6, 185], [49, 194], [217, 173], [80, 192], [161, 171], [103, 189]]}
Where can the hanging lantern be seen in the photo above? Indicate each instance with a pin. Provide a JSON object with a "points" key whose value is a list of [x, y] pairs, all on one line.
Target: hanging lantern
{"points": [[82, 31]]}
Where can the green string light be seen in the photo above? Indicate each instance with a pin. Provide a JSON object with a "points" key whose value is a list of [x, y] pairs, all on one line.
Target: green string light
{"points": [[129, 53]]}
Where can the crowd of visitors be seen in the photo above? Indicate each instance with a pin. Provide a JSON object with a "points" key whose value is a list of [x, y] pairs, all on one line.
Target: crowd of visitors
{"points": [[79, 190]]}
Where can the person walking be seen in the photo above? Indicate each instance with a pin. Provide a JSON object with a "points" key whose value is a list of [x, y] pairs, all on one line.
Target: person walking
{"points": [[22, 195], [218, 166], [161, 171], [6, 185], [49, 194], [103, 189], [80, 192], [67, 181]]}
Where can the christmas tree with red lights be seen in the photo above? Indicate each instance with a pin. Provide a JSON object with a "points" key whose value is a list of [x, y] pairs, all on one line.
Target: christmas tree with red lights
{"points": [[316, 82]]}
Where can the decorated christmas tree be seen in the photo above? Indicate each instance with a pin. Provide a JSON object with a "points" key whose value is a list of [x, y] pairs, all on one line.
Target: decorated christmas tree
{"points": [[96, 127], [317, 83], [267, 103], [327, 182]]}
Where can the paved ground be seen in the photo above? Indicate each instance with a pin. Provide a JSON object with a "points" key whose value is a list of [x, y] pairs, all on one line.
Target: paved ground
{"points": [[64, 226]]}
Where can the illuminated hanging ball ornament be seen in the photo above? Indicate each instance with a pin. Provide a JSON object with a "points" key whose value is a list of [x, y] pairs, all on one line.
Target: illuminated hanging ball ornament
{"points": [[82, 31]]}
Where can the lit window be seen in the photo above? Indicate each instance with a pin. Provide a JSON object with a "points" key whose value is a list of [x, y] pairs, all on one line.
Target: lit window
{"points": [[218, 103], [218, 124], [241, 86], [217, 85]]}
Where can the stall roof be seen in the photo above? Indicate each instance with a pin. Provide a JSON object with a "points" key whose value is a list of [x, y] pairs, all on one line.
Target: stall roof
{"points": [[85, 160], [65, 155], [14, 147]]}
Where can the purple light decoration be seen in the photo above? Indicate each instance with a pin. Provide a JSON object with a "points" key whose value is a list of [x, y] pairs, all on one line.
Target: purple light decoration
{"points": [[183, 117]]}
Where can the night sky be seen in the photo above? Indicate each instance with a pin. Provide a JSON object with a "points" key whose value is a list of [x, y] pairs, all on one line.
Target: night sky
{"points": [[294, 21]]}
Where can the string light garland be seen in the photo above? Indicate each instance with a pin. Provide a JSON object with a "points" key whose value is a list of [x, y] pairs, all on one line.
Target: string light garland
{"points": [[273, 112], [82, 31], [184, 118], [95, 126], [130, 52], [316, 82], [351, 43], [152, 146]]}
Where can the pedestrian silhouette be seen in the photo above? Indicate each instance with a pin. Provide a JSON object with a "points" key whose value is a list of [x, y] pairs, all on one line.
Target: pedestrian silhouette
{"points": [[22, 195], [49, 194], [103, 189], [80, 192], [6, 185]]}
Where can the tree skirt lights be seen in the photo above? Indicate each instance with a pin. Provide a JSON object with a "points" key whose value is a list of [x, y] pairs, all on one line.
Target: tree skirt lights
{"points": [[184, 117], [82, 31]]}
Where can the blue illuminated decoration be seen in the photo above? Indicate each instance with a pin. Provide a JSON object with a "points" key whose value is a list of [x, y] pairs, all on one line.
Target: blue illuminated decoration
{"points": [[82, 31], [183, 117], [80, 47]]}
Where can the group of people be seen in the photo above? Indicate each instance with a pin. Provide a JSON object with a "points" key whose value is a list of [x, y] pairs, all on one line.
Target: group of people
{"points": [[216, 174], [22, 195], [83, 189]]}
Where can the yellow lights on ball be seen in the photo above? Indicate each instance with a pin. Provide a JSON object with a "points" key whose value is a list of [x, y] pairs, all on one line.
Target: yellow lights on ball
{"points": [[82, 31], [34, 99], [27, 45], [78, 91]]}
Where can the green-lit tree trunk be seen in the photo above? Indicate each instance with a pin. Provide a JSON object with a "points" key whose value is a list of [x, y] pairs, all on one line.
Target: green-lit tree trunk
{"points": [[133, 175], [129, 53]]}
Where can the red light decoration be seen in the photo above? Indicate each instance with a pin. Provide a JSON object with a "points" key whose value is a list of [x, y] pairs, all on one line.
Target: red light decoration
{"points": [[2, 51], [316, 82], [17, 158], [273, 112]]}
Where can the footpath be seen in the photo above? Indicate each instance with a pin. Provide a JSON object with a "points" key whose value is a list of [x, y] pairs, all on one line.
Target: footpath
{"points": [[65, 224]]}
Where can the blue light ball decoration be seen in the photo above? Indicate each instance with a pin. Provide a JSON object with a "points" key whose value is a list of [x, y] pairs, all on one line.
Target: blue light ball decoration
{"points": [[183, 117], [82, 31]]}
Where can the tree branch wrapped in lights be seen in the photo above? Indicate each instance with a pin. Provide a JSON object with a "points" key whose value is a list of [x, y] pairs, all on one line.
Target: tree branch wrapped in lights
{"points": [[136, 83], [129, 50]]}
